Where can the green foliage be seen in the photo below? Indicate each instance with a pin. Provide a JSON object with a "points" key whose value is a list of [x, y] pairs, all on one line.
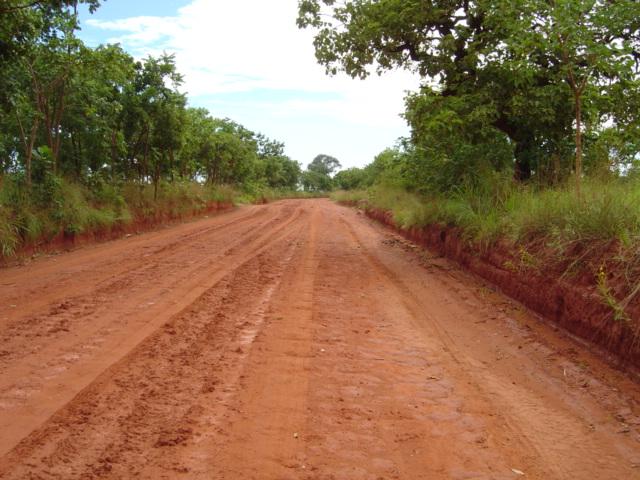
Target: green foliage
{"points": [[324, 164], [59, 206], [316, 182], [609, 298], [607, 211], [503, 80], [350, 179], [350, 196], [91, 139], [500, 209], [589, 46], [100, 113], [267, 194], [453, 141], [9, 233], [318, 176]]}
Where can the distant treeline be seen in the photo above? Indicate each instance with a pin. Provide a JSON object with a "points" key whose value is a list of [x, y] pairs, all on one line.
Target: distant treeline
{"points": [[96, 114], [92, 139]]}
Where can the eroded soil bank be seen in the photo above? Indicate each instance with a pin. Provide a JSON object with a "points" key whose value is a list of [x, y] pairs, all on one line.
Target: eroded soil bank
{"points": [[571, 301]]}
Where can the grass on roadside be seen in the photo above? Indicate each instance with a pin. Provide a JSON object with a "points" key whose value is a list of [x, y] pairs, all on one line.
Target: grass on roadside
{"points": [[595, 235], [604, 212], [58, 205], [261, 194]]}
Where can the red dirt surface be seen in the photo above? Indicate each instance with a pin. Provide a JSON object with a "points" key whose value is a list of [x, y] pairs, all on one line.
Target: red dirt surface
{"points": [[295, 340]]}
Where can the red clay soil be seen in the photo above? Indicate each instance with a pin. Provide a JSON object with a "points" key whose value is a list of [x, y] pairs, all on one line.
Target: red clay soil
{"points": [[573, 303], [68, 241], [295, 340]]}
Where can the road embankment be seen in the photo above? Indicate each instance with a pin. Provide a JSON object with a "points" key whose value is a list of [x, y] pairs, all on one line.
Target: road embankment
{"points": [[571, 301]]}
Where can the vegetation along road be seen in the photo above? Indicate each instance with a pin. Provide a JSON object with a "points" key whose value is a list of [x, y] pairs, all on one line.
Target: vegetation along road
{"points": [[293, 340]]}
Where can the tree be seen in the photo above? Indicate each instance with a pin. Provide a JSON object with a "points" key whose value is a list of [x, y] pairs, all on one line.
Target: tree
{"points": [[49, 64], [96, 116], [236, 152], [279, 171], [197, 150], [23, 22], [274, 168], [93, 143], [591, 46], [451, 44], [317, 177], [154, 118], [39, 48], [386, 164], [14, 6], [498, 67], [350, 179], [267, 147], [324, 164]]}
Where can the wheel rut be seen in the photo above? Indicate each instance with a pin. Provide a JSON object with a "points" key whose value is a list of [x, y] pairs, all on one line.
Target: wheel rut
{"points": [[296, 340]]}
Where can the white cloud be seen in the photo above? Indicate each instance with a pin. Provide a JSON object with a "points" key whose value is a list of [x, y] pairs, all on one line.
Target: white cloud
{"points": [[254, 45]]}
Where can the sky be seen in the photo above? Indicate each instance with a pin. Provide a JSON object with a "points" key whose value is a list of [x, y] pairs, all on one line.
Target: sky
{"points": [[248, 61]]}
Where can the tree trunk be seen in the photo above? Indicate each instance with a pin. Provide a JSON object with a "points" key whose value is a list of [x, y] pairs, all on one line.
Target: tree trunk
{"points": [[171, 163], [156, 180], [578, 99], [522, 170], [29, 152], [145, 157], [77, 155], [28, 143], [57, 124], [556, 168], [209, 172], [114, 151]]}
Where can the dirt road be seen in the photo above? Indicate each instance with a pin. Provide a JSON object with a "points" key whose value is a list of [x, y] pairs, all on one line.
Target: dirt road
{"points": [[296, 340]]}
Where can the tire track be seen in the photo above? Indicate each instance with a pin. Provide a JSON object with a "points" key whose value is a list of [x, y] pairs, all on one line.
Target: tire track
{"points": [[93, 347], [306, 343]]}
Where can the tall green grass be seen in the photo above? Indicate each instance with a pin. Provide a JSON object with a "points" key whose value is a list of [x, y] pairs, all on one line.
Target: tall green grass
{"points": [[57, 205], [263, 194], [596, 233], [605, 211]]}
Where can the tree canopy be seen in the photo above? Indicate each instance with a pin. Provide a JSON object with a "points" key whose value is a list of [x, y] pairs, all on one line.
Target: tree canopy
{"points": [[318, 176], [497, 75]]}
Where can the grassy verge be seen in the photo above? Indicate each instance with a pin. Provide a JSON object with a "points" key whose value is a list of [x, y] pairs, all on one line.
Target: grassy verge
{"points": [[59, 206], [266, 194], [605, 212], [594, 238]]}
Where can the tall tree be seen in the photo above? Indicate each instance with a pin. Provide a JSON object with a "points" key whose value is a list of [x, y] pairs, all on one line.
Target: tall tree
{"points": [[324, 164], [457, 47], [317, 177], [98, 116], [591, 46]]}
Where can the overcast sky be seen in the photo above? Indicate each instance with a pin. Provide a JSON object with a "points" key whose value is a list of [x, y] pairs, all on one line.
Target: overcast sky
{"points": [[247, 60]]}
